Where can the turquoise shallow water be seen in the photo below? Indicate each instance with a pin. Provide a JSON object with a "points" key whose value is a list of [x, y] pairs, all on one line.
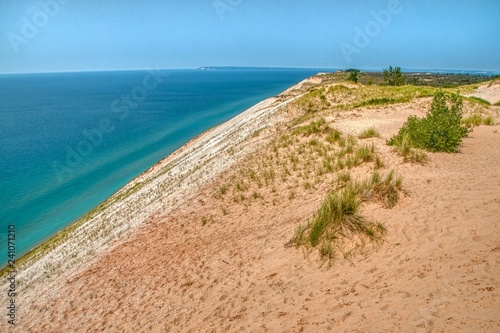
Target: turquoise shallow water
{"points": [[70, 140]]}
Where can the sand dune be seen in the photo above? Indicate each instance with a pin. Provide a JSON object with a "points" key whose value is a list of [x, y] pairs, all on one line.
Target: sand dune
{"points": [[438, 270]]}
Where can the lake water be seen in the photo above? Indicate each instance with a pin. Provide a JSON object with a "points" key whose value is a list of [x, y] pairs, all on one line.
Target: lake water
{"points": [[68, 141]]}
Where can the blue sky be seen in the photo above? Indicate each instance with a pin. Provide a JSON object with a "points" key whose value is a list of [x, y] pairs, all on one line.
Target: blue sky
{"points": [[76, 35]]}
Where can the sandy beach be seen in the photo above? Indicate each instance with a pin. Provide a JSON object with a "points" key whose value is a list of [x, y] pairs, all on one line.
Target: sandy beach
{"points": [[174, 252]]}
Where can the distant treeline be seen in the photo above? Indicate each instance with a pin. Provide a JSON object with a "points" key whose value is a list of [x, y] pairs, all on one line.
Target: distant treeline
{"points": [[442, 80]]}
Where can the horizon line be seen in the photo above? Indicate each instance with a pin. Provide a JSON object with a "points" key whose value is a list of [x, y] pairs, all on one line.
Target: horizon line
{"points": [[366, 70]]}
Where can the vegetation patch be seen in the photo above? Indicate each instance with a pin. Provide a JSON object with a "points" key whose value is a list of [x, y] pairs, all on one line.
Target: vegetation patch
{"points": [[315, 127], [478, 100], [441, 130], [313, 101], [381, 101]]}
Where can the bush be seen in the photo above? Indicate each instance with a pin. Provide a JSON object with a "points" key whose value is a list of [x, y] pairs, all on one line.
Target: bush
{"points": [[440, 130]]}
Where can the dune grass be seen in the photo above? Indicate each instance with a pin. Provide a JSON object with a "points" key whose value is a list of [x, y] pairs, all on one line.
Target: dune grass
{"points": [[369, 133], [477, 120], [339, 226], [381, 189]]}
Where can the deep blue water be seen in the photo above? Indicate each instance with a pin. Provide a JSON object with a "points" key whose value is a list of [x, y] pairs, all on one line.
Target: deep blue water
{"points": [[70, 140]]}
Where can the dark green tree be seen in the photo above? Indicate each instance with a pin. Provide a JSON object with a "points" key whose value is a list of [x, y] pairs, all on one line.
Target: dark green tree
{"points": [[353, 76], [394, 76]]}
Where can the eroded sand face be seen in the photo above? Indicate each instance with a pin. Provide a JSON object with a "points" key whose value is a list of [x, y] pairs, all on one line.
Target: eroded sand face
{"points": [[437, 271], [489, 92]]}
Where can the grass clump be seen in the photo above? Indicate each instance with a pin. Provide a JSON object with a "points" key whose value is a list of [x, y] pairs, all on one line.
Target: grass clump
{"points": [[488, 121], [343, 177], [441, 130], [337, 216], [379, 164], [333, 136], [338, 223], [369, 133], [385, 190], [207, 220], [365, 153]]}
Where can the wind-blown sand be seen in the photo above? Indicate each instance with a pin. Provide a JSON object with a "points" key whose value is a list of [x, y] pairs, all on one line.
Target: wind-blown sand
{"points": [[438, 270]]}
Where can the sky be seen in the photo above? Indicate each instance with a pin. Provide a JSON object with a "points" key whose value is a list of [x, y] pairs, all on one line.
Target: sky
{"points": [[89, 35]]}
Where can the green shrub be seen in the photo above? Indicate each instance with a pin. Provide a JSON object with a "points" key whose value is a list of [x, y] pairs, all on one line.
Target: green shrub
{"points": [[440, 130]]}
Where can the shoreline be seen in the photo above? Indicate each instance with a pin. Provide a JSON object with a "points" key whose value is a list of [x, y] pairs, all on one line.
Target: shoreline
{"points": [[167, 183]]}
